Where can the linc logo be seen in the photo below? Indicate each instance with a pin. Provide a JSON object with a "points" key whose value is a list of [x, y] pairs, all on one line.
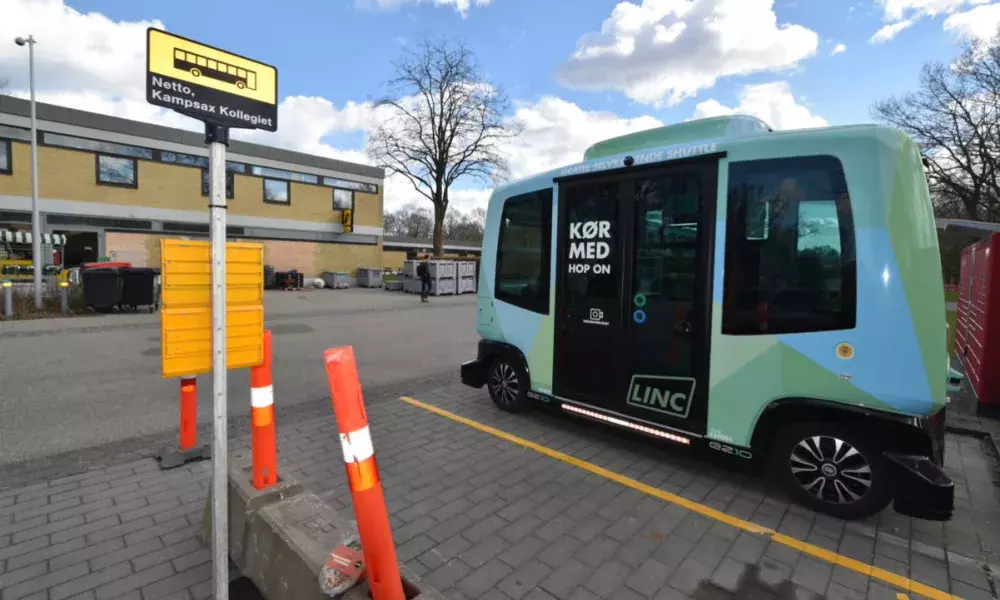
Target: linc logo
{"points": [[663, 394]]}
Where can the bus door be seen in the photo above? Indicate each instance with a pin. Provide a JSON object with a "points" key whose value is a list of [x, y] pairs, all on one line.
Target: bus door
{"points": [[588, 294], [646, 357]]}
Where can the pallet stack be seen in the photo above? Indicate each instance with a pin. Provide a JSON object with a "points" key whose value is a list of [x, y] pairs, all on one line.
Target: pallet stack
{"points": [[369, 278], [444, 275], [336, 281], [466, 277]]}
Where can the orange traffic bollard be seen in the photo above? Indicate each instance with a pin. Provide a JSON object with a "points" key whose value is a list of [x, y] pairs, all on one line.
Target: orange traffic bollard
{"points": [[187, 449], [262, 440], [382, 570], [189, 413]]}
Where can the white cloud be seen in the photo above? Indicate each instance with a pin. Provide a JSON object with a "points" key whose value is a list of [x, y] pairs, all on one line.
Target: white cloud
{"points": [[663, 51], [461, 6], [980, 22], [897, 10], [556, 132], [838, 49], [887, 32], [76, 69], [771, 102], [978, 18], [75, 51]]}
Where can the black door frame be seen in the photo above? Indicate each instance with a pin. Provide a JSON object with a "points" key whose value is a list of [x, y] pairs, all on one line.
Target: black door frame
{"points": [[704, 282]]}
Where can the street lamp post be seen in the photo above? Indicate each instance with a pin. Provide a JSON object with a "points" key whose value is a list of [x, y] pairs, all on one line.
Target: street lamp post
{"points": [[36, 221]]}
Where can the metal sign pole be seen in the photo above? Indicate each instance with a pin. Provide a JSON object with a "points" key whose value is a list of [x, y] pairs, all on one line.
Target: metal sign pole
{"points": [[36, 218], [218, 138], [248, 102]]}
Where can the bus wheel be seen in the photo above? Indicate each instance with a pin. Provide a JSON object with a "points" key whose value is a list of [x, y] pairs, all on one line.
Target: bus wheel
{"points": [[508, 383], [196, 72], [240, 85], [832, 470]]}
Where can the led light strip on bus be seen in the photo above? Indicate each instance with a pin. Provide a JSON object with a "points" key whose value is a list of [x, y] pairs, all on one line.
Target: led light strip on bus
{"points": [[623, 423]]}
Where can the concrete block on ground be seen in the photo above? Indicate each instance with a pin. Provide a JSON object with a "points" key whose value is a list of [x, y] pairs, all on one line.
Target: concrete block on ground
{"points": [[280, 539], [244, 503]]}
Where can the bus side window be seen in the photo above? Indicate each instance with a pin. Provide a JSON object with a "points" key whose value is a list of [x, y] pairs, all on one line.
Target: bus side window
{"points": [[523, 251], [789, 259]]}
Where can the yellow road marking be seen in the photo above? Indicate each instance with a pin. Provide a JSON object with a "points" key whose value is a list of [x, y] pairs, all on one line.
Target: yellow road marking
{"points": [[877, 573]]}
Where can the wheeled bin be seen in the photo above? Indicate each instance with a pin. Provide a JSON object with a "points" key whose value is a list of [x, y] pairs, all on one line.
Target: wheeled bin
{"points": [[102, 289], [139, 288]]}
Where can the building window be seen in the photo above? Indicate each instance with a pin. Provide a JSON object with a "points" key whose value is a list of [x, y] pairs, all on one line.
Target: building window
{"points": [[277, 191], [68, 141], [99, 222], [175, 227], [358, 186], [179, 158], [523, 251], [204, 183], [790, 259], [283, 174], [117, 171], [6, 160], [15, 133], [343, 199]]}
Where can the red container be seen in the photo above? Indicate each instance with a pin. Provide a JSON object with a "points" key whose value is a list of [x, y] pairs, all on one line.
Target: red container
{"points": [[977, 329]]}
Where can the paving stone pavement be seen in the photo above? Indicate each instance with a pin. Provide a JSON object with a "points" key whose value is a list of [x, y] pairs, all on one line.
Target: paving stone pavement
{"points": [[480, 517]]}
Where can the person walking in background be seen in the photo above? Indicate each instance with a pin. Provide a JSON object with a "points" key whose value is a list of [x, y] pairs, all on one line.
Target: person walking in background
{"points": [[424, 273]]}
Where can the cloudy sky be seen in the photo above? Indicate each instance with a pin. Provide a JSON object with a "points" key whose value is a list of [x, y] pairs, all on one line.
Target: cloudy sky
{"points": [[578, 71]]}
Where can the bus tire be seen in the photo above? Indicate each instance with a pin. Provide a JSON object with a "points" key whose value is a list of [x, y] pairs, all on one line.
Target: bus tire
{"points": [[507, 383], [850, 483]]}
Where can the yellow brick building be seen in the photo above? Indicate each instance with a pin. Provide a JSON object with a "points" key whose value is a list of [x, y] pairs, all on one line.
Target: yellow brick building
{"points": [[114, 187]]}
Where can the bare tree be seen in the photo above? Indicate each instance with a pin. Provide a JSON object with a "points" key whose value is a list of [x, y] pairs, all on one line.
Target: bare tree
{"points": [[443, 121], [465, 227], [410, 221], [955, 118]]}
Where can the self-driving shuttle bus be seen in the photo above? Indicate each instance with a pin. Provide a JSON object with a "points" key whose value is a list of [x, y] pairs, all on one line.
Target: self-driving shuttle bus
{"points": [[773, 295]]}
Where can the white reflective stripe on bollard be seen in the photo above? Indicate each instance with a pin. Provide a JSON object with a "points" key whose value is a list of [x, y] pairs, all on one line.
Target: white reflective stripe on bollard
{"points": [[357, 445], [262, 397]]}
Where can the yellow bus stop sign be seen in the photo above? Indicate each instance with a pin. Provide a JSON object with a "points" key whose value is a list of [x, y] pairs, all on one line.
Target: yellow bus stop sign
{"points": [[186, 313], [210, 84]]}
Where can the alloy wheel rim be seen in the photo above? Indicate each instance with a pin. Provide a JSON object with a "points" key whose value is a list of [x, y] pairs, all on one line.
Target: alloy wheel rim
{"points": [[504, 384], [830, 469]]}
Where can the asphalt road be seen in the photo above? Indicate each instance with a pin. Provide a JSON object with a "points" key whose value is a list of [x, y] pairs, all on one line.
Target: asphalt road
{"points": [[67, 384]]}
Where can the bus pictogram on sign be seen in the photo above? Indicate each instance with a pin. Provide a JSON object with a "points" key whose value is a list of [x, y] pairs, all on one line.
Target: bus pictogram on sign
{"points": [[202, 66]]}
